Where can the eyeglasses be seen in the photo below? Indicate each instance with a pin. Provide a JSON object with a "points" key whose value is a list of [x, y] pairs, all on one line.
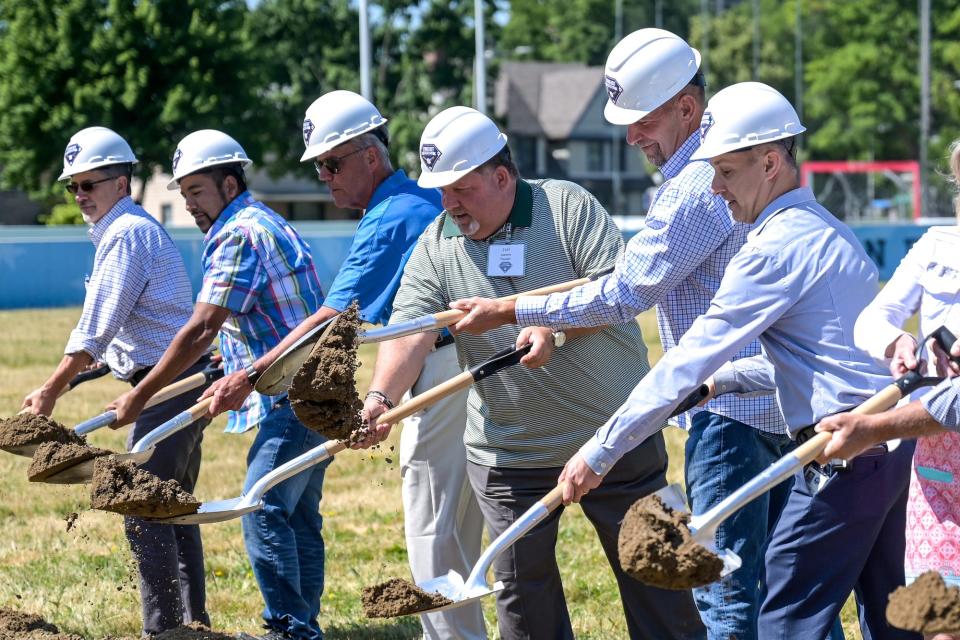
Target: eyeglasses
{"points": [[86, 186], [334, 164]]}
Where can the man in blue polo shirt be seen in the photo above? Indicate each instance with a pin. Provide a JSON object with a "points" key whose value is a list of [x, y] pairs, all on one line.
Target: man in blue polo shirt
{"points": [[346, 138]]}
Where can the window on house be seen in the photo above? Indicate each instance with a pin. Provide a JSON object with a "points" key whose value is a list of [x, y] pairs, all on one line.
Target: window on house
{"points": [[166, 212], [596, 156]]}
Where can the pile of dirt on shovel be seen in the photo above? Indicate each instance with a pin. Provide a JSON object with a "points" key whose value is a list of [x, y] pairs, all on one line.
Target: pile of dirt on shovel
{"points": [[927, 606], [16, 625], [324, 391], [656, 548], [397, 597], [28, 428], [53, 457], [124, 488]]}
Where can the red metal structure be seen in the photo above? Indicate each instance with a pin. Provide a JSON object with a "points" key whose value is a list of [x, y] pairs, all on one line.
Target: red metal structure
{"points": [[898, 166]]}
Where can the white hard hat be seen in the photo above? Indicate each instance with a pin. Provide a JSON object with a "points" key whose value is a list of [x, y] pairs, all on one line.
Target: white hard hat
{"points": [[334, 118], [454, 143], [204, 149], [743, 115], [644, 70], [95, 148]]}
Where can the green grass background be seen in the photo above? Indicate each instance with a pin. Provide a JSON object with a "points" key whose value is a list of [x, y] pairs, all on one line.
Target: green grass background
{"points": [[82, 580]]}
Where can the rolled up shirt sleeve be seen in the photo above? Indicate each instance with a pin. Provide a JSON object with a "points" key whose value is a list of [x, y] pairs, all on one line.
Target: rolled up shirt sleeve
{"points": [[752, 296], [681, 230], [749, 377], [113, 290], [943, 403]]}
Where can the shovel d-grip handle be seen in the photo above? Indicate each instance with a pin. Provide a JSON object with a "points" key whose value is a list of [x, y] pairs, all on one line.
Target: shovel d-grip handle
{"points": [[84, 376], [453, 316], [693, 399]]}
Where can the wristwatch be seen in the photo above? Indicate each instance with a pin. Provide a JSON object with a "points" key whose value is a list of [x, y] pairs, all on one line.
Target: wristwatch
{"points": [[559, 338], [252, 374]]}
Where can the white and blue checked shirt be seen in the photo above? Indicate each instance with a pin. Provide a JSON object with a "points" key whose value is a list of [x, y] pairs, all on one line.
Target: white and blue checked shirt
{"points": [[675, 262], [138, 295], [943, 403]]}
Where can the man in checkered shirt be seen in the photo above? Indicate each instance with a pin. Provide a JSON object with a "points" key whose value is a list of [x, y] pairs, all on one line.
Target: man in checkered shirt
{"points": [[675, 263], [137, 297], [259, 283]]}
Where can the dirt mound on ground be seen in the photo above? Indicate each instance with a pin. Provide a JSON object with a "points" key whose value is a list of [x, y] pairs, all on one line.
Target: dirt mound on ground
{"points": [[124, 488], [397, 597], [28, 428], [54, 457], [656, 548], [324, 391], [927, 606], [16, 625], [193, 631]]}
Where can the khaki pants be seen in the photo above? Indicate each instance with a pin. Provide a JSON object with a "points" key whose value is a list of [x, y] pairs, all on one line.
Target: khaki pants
{"points": [[442, 521]]}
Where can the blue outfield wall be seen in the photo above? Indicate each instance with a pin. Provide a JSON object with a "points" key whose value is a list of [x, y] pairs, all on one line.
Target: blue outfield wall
{"points": [[46, 266]]}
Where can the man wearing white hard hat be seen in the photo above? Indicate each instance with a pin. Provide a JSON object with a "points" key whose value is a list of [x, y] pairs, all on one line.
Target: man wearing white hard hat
{"points": [[346, 140], [499, 235], [137, 297], [675, 263], [798, 284], [259, 283]]}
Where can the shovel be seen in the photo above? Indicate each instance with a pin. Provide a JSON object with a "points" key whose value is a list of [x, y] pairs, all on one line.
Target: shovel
{"points": [[198, 379], [222, 510], [80, 378], [462, 592], [703, 527], [278, 376]]}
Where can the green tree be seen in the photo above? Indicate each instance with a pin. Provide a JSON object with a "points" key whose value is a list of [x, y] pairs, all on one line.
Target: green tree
{"points": [[153, 71]]}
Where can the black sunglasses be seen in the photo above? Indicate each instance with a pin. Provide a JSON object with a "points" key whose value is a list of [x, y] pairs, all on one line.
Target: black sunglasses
{"points": [[86, 186], [334, 164]]}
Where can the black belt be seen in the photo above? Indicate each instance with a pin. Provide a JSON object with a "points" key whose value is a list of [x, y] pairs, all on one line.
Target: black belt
{"points": [[443, 340]]}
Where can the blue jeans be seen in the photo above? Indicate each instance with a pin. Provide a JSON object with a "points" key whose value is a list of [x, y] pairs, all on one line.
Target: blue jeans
{"points": [[721, 455], [283, 539]]}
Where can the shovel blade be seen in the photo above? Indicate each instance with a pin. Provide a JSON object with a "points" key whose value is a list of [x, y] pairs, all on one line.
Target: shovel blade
{"points": [[82, 472], [451, 586], [25, 450], [216, 511], [674, 497]]}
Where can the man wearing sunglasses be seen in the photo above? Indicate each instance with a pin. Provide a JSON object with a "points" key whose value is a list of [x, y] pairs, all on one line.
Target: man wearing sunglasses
{"points": [[346, 140], [137, 297]]}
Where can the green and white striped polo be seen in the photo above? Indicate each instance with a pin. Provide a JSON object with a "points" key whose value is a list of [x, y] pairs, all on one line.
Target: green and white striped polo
{"points": [[524, 417]]}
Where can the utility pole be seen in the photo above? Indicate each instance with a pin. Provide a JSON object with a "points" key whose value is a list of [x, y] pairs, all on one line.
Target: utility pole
{"points": [[924, 99], [480, 59], [366, 90], [616, 172], [657, 14], [798, 59], [705, 38], [756, 40]]}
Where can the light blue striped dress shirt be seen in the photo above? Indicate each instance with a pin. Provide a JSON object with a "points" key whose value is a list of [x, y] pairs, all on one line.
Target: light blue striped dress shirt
{"points": [[138, 295], [675, 262], [798, 284]]}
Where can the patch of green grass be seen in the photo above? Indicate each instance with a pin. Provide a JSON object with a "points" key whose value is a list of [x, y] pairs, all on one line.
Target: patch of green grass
{"points": [[82, 580]]}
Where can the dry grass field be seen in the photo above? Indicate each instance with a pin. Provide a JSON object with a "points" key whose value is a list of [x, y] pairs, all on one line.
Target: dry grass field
{"points": [[82, 579]]}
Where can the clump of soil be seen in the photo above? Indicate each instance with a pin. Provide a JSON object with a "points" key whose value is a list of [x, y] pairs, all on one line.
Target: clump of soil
{"points": [[324, 391], [125, 488], [28, 428], [54, 457], [193, 631], [397, 597], [15, 625], [656, 548], [71, 519], [927, 606]]}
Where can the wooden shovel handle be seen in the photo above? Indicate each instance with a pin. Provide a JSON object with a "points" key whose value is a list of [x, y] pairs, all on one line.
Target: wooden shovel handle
{"points": [[457, 383], [201, 408], [175, 389], [447, 318], [883, 400], [553, 499]]}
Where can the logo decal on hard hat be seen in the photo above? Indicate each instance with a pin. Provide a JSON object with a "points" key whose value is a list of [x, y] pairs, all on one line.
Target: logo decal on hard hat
{"points": [[307, 130], [705, 125], [613, 88], [176, 158], [429, 153], [71, 153]]}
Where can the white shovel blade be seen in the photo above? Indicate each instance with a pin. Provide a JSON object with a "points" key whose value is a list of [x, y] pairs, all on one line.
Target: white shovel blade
{"points": [[82, 472], [451, 586], [216, 511]]}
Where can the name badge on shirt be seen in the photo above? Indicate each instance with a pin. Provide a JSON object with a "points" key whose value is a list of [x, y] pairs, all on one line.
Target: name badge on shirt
{"points": [[506, 260]]}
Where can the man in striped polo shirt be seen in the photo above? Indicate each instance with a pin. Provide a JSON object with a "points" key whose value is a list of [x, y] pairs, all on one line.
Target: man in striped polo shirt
{"points": [[259, 283], [500, 235], [137, 297]]}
